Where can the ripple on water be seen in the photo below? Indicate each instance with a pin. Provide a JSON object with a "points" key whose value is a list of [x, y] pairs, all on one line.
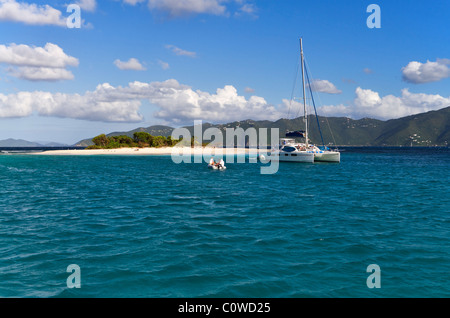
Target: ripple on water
{"points": [[184, 231]]}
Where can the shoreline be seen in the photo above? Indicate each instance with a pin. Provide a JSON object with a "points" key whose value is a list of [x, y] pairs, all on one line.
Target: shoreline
{"points": [[180, 151], [164, 151]]}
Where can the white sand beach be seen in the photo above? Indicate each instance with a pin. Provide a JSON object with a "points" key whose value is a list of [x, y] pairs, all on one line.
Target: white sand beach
{"points": [[164, 151]]}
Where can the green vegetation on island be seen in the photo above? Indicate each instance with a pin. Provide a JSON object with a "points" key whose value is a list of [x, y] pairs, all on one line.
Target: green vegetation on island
{"points": [[140, 140]]}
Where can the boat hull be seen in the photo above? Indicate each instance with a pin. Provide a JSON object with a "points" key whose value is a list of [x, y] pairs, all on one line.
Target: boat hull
{"points": [[293, 157], [327, 156], [214, 167]]}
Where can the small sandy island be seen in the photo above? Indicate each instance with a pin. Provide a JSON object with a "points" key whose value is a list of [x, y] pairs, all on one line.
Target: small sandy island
{"points": [[164, 151]]}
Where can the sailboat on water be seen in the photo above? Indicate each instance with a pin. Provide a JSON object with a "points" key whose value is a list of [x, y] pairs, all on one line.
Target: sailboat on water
{"points": [[292, 151]]}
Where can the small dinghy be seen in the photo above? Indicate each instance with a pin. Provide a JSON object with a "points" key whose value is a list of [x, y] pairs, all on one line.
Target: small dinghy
{"points": [[217, 166]]}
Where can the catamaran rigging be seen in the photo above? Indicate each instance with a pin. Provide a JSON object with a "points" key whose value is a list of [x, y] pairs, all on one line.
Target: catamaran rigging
{"points": [[289, 149]]}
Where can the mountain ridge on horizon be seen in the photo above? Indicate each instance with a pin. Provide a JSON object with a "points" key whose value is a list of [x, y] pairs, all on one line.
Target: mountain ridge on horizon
{"points": [[431, 128], [21, 143]]}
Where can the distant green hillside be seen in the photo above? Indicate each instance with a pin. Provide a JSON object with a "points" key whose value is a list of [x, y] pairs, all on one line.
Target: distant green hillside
{"points": [[426, 129], [157, 130]]}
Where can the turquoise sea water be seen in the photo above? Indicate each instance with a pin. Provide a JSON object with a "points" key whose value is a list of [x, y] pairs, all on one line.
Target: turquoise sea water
{"points": [[142, 226]]}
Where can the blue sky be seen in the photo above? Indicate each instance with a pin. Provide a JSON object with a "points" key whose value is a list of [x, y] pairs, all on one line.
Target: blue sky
{"points": [[139, 63]]}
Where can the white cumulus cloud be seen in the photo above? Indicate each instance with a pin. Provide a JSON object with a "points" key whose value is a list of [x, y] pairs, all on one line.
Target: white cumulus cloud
{"points": [[91, 106], [88, 5], [41, 73], [324, 86], [369, 103], [46, 63], [176, 103], [28, 13], [51, 55], [186, 105], [132, 64], [418, 73]]}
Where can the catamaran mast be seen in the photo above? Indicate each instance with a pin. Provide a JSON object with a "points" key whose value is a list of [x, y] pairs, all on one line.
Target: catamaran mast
{"points": [[304, 94]]}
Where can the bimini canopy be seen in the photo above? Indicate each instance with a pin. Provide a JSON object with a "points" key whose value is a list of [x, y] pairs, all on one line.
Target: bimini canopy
{"points": [[296, 133]]}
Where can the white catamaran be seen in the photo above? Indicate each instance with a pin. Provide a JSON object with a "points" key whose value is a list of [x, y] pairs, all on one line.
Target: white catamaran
{"points": [[292, 151]]}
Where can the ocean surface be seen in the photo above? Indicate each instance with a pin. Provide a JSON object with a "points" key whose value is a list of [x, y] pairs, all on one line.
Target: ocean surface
{"points": [[143, 226]]}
